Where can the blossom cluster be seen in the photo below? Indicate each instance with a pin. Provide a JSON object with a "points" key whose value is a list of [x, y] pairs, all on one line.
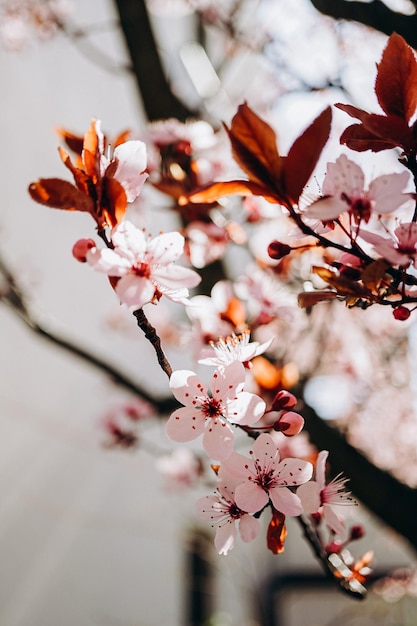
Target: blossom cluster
{"points": [[355, 242]]}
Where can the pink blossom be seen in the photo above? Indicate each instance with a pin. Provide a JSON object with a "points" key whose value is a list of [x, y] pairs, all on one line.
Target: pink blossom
{"points": [[210, 414], [344, 190], [264, 478], [401, 249], [221, 509], [181, 468], [317, 497], [145, 267], [232, 348]]}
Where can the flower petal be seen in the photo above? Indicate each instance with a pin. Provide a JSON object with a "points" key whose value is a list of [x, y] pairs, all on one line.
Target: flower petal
{"points": [[135, 291], [130, 240], [131, 164], [246, 409], [309, 494], [185, 424], [224, 539], [285, 501], [165, 248], [250, 497], [248, 528], [218, 439], [186, 386]]}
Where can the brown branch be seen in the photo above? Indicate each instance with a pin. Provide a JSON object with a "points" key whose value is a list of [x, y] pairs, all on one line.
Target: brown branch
{"points": [[151, 335], [392, 501], [374, 14], [158, 100]]}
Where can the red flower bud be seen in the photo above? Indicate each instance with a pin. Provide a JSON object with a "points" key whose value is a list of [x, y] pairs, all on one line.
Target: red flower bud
{"points": [[277, 250], [289, 424], [356, 532], [283, 400], [401, 313], [80, 249], [334, 547]]}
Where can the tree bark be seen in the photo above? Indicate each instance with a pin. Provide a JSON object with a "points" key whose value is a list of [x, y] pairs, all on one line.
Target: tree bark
{"points": [[374, 14], [158, 100]]}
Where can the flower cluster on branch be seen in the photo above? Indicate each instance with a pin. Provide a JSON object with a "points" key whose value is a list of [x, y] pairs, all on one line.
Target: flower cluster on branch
{"points": [[358, 241]]}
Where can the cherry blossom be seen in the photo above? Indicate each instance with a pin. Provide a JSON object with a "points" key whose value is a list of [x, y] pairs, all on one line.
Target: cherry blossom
{"points": [[344, 190], [264, 478], [210, 414], [181, 468], [221, 509], [144, 268], [317, 496], [400, 249], [233, 348]]}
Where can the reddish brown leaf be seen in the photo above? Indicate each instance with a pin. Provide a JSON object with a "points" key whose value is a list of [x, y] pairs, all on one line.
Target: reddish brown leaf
{"points": [[254, 147], [307, 299], [228, 188], [343, 286], [304, 154], [81, 179], [396, 82], [357, 137], [60, 194], [374, 274], [277, 532], [91, 153], [74, 142], [114, 201]]}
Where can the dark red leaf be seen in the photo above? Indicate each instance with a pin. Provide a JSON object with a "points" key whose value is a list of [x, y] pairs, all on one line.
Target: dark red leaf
{"points": [[396, 82], [228, 188], [60, 194], [304, 154], [254, 147]]}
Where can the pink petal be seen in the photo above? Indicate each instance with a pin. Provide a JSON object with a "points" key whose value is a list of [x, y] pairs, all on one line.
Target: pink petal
{"points": [[185, 424], [386, 191], [326, 208], [343, 176], [248, 528], [165, 248], [218, 439], [186, 386], [175, 276], [332, 520], [237, 466], [209, 507], [108, 262], [320, 472], [135, 291], [250, 497], [226, 383], [292, 472], [129, 238], [247, 409], [309, 494], [224, 539], [266, 451], [285, 501], [131, 163]]}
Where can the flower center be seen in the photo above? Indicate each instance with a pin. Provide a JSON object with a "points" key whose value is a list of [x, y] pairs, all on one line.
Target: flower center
{"points": [[141, 269], [211, 407], [359, 207]]}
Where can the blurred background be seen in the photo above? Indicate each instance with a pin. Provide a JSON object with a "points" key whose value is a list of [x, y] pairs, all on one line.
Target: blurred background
{"points": [[91, 534]]}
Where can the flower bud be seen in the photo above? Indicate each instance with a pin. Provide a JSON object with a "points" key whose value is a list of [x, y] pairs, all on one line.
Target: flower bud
{"points": [[289, 424], [334, 547], [401, 313], [277, 250], [356, 532], [283, 400], [80, 249]]}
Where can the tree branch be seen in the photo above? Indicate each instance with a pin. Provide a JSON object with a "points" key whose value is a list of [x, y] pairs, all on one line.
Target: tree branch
{"points": [[392, 501], [374, 14], [158, 100]]}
